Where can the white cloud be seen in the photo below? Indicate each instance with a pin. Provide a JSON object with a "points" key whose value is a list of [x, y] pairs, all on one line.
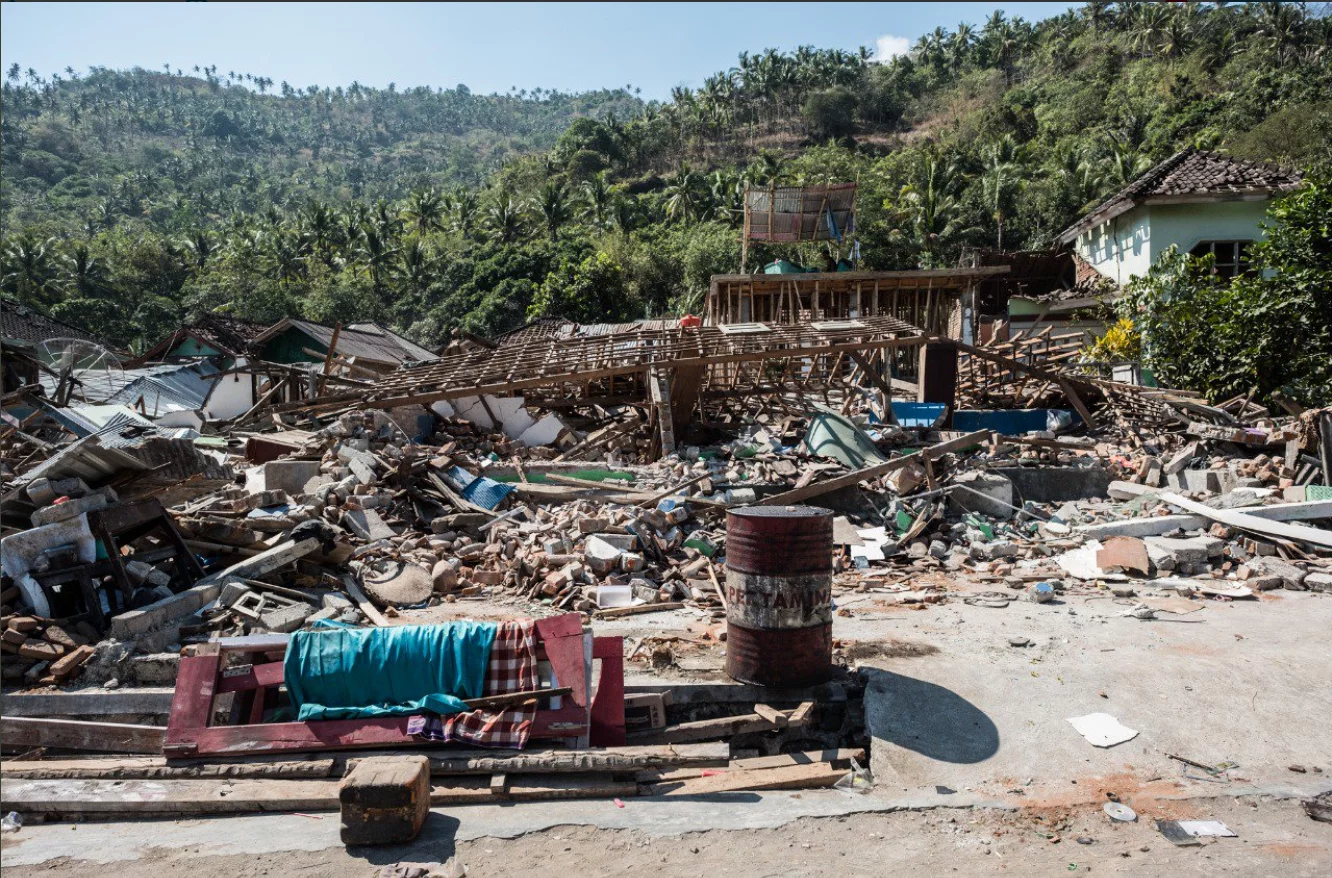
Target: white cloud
{"points": [[888, 47]]}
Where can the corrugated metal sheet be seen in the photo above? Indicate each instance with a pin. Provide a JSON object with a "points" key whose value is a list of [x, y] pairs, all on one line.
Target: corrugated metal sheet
{"points": [[170, 387]]}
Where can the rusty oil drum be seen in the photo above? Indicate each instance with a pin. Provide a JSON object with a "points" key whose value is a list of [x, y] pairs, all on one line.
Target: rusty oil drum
{"points": [[779, 595]]}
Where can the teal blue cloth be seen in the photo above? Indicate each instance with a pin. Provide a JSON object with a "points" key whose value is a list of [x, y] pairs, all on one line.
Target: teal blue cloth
{"points": [[352, 673]]}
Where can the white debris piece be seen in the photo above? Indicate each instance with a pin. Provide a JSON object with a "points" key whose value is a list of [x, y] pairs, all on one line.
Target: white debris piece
{"points": [[1102, 729]]}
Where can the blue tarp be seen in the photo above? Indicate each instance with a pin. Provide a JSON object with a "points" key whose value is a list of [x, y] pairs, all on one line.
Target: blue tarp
{"points": [[364, 672], [484, 492], [1012, 422], [919, 414]]}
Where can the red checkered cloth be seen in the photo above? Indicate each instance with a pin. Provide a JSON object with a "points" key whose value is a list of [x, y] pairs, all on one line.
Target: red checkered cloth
{"points": [[512, 668]]}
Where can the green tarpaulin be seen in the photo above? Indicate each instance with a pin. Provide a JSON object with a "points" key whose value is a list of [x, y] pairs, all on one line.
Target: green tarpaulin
{"points": [[349, 673]]}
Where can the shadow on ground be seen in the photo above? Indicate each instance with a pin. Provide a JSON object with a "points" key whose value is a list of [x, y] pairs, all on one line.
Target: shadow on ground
{"points": [[927, 719], [435, 844]]}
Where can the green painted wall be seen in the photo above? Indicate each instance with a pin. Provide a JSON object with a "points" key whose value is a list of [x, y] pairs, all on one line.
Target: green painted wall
{"points": [[285, 347], [192, 347]]}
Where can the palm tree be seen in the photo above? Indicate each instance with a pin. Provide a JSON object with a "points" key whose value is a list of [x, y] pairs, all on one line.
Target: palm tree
{"points": [[624, 214], [504, 218], [553, 203], [598, 195], [378, 253], [1001, 180], [27, 268], [931, 204], [1281, 26], [425, 211], [463, 207], [82, 275], [683, 198], [200, 247]]}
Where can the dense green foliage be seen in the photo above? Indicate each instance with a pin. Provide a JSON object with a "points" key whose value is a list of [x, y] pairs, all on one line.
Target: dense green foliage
{"points": [[1266, 331], [133, 199]]}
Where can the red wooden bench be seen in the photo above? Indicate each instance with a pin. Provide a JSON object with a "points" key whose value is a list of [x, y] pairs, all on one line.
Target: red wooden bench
{"points": [[250, 669]]}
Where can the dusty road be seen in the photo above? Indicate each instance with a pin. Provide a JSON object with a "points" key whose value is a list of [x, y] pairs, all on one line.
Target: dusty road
{"points": [[1275, 838]]}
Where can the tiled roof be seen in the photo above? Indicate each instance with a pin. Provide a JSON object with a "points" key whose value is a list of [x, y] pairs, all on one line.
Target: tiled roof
{"points": [[23, 326], [1190, 172]]}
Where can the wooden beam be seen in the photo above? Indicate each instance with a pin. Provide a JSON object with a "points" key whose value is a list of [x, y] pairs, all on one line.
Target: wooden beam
{"points": [[77, 735]]}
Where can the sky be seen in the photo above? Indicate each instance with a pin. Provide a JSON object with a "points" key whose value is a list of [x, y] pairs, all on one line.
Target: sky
{"points": [[489, 47]]}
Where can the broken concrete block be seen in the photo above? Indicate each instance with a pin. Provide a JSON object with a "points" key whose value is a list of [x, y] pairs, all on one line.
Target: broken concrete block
{"points": [[1291, 576], [367, 524], [289, 475], [993, 551], [364, 473], [147, 574], [1318, 581], [156, 669], [1188, 550], [985, 492], [335, 601], [601, 556], [286, 619]]}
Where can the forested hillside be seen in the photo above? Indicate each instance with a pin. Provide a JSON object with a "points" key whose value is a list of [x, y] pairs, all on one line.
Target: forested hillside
{"points": [[132, 199]]}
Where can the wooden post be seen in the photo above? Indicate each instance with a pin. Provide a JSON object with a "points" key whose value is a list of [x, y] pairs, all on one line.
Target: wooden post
{"points": [[936, 380]]}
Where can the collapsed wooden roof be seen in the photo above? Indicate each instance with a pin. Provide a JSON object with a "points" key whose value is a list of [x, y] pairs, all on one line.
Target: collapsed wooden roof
{"points": [[571, 365]]}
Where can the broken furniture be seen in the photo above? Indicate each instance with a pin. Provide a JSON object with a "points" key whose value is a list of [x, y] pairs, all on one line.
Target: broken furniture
{"points": [[125, 523], [251, 670]]}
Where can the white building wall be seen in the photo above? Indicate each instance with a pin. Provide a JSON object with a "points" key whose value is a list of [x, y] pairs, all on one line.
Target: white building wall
{"points": [[232, 395]]}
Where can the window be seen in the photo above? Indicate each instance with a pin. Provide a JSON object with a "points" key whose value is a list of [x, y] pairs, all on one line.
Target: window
{"points": [[1231, 258]]}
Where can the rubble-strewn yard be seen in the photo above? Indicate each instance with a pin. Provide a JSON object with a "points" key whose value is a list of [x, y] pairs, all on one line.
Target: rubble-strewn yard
{"points": [[1142, 566]]}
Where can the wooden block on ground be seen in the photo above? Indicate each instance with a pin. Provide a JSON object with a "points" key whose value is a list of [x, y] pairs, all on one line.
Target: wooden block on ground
{"points": [[385, 800]]}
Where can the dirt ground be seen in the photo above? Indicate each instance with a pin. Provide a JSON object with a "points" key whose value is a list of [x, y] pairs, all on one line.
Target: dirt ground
{"points": [[1275, 838]]}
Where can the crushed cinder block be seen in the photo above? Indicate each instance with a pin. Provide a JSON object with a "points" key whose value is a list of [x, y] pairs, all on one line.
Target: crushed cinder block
{"points": [[286, 619], [1169, 553], [1291, 577]]}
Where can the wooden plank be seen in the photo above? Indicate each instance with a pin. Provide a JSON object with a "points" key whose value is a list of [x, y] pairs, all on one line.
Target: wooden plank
{"points": [[157, 768], [79, 735], [356, 594], [88, 702], [842, 758], [790, 777], [638, 610], [193, 798], [798, 495], [705, 729], [443, 763]]}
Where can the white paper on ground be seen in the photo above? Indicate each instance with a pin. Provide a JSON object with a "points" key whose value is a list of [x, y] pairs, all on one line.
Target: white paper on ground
{"points": [[1203, 828], [1102, 729]]}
